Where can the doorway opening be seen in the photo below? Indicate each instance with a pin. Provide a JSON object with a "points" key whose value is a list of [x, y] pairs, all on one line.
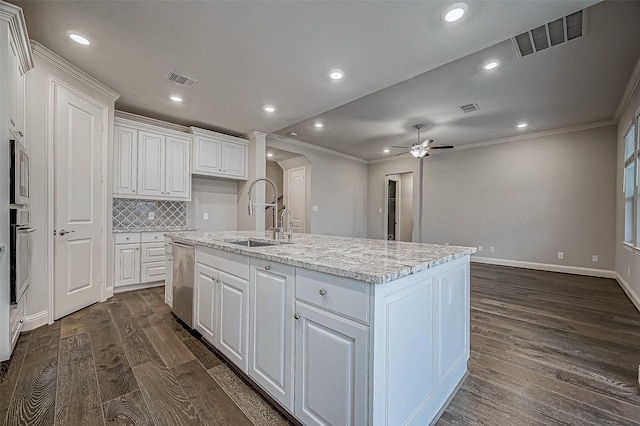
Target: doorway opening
{"points": [[398, 222]]}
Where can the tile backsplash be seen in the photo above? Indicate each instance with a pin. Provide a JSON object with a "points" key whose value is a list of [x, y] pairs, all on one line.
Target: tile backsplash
{"points": [[128, 213]]}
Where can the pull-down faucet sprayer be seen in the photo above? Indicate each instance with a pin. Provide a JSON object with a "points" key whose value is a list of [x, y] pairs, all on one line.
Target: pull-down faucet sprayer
{"points": [[274, 205]]}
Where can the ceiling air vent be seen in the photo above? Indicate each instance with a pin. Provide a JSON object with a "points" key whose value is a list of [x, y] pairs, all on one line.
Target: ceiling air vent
{"points": [[181, 79], [549, 35], [469, 108]]}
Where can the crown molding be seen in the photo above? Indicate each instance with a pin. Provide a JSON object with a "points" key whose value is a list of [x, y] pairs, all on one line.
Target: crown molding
{"points": [[51, 57], [15, 18], [211, 133], [308, 145], [124, 116], [631, 86]]}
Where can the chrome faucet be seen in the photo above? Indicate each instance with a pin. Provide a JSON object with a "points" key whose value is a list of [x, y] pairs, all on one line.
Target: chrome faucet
{"points": [[274, 205], [290, 223]]}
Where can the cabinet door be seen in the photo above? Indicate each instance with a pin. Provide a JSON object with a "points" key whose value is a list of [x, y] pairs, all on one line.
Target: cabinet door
{"points": [[233, 159], [125, 160], [233, 317], [331, 368], [168, 281], [127, 264], [151, 162], [271, 331], [14, 78], [204, 303], [207, 156], [178, 168]]}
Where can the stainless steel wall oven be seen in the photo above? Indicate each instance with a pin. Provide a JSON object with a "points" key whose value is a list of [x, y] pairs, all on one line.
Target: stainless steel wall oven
{"points": [[20, 243]]}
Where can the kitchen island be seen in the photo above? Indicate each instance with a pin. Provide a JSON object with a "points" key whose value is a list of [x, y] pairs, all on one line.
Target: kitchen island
{"points": [[338, 331]]}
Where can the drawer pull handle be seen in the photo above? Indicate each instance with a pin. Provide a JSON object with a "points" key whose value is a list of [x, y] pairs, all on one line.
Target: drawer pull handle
{"points": [[297, 316], [323, 292], [267, 267]]}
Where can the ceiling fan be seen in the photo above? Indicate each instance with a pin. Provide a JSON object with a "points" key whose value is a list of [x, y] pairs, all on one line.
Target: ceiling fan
{"points": [[421, 149]]}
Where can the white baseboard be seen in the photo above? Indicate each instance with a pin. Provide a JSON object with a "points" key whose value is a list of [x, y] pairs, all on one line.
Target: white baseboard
{"points": [[627, 289], [34, 321], [108, 292], [602, 273], [137, 286]]}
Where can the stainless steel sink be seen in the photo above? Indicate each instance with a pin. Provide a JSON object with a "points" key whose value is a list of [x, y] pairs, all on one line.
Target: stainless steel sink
{"points": [[253, 243]]}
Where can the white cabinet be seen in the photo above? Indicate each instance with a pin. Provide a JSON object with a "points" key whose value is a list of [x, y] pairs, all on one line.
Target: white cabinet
{"points": [[127, 264], [216, 154], [139, 258], [271, 334], [151, 162], [205, 301], [125, 161], [17, 108], [168, 281], [233, 318]]}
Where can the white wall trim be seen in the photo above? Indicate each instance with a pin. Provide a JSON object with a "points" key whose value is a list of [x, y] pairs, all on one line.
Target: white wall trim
{"points": [[518, 138], [142, 120], [14, 16], [36, 320], [576, 270], [633, 82], [49, 56], [629, 290], [314, 147]]}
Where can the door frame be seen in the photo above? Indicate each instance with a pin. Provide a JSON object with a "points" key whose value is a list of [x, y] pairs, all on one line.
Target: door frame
{"points": [[398, 182], [53, 85], [305, 229]]}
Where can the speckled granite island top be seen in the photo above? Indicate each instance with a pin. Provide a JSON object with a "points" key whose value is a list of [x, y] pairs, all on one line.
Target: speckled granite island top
{"points": [[371, 261]]}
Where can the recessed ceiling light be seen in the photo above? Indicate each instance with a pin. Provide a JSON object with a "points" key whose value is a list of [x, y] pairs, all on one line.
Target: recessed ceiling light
{"points": [[336, 74], [293, 134], [269, 154], [455, 12], [319, 125], [175, 98], [522, 125], [386, 150], [269, 108], [80, 39], [491, 65]]}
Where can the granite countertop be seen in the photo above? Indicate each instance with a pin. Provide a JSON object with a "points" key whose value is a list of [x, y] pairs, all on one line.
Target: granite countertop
{"points": [[153, 229], [371, 261]]}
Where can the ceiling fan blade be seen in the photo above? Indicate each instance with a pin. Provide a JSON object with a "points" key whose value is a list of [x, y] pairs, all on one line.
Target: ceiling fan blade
{"points": [[441, 147], [401, 147], [402, 153]]}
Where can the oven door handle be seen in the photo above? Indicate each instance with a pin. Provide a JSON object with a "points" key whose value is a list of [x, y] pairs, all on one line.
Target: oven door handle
{"points": [[26, 230]]}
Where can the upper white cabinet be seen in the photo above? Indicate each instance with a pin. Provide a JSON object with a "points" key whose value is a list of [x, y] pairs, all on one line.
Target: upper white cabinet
{"points": [[151, 162], [16, 110], [216, 154]]}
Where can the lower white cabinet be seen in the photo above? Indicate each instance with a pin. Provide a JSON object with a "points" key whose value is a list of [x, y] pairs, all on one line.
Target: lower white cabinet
{"points": [[332, 368], [271, 329], [233, 318], [205, 301], [127, 264]]}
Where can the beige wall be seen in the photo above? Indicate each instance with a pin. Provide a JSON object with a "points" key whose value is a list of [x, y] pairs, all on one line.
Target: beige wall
{"points": [[528, 199], [338, 189], [627, 261], [218, 198]]}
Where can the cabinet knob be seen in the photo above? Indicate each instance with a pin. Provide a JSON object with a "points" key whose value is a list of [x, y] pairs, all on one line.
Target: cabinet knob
{"points": [[323, 292], [297, 316], [137, 248], [127, 238], [134, 191], [20, 133], [267, 267]]}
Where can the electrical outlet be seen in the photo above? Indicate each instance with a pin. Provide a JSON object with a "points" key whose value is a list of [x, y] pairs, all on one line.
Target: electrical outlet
{"points": [[491, 249], [315, 208], [594, 258], [479, 248], [205, 216], [560, 255], [379, 210], [152, 215]]}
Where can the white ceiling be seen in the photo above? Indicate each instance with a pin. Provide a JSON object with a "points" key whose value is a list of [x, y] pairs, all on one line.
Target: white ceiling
{"points": [[246, 54]]}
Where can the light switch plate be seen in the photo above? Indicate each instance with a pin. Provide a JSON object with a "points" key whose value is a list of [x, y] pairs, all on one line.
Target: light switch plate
{"points": [[315, 208], [152, 215], [205, 216]]}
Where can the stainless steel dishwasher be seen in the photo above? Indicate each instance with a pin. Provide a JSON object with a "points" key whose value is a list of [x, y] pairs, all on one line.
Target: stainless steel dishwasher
{"points": [[183, 276]]}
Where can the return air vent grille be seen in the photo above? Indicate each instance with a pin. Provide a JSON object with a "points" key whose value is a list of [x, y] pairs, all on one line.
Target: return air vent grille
{"points": [[469, 108], [549, 35], [181, 79]]}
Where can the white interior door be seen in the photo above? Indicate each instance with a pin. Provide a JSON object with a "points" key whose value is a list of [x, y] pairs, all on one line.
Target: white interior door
{"points": [[297, 199], [79, 245]]}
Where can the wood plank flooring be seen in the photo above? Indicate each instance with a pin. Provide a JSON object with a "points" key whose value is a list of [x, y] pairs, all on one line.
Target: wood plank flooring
{"points": [[546, 349]]}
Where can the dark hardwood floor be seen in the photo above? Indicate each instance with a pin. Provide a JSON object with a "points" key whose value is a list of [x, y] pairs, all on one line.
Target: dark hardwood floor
{"points": [[546, 349]]}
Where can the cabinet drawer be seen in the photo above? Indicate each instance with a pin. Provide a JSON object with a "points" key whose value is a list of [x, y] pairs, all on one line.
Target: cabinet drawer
{"points": [[153, 271], [153, 237], [231, 263], [127, 237], [153, 252], [340, 295]]}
